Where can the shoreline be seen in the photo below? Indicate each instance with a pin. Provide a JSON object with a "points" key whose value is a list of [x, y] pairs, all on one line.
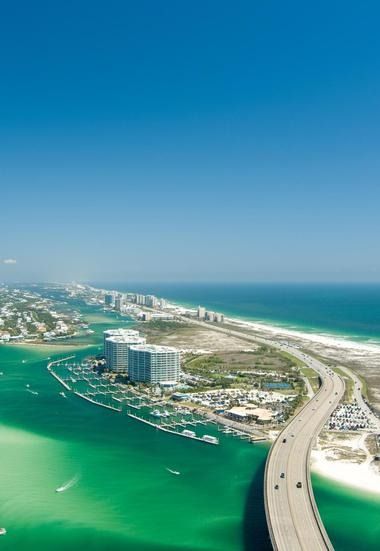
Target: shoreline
{"points": [[283, 326], [350, 474], [359, 476], [318, 338]]}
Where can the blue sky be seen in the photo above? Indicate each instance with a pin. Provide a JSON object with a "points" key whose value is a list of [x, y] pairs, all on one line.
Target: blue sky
{"points": [[203, 140]]}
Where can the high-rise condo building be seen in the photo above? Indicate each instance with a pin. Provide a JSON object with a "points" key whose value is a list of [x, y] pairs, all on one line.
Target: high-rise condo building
{"points": [[113, 352], [108, 299], [153, 364], [151, 301], [201, 312], [119, 302]]}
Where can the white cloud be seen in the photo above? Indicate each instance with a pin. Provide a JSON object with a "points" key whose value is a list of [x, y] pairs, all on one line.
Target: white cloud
{"points": [[9, 261]]}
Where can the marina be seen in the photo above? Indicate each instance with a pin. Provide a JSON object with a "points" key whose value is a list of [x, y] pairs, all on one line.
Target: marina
{"points": [[84, 382]]}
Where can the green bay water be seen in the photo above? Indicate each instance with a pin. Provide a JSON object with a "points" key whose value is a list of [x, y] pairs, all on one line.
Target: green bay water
{"points": [[124, 497]]}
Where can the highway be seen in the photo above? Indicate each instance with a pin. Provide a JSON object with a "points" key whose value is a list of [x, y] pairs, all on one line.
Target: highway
{"points": [[293, 519], [292, 515]]}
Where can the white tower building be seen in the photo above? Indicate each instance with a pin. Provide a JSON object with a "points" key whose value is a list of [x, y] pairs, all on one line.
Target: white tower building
{"points": [[153, 364], [116, 343]]}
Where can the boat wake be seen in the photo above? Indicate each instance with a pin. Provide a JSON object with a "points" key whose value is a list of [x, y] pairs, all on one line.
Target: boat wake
{"points": [[172, 472], [68, 484]]}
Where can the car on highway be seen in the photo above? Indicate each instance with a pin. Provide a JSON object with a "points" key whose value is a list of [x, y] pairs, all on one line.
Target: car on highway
{"points": [[282, 475], [276, 487], [284, 441], [299, 484]]}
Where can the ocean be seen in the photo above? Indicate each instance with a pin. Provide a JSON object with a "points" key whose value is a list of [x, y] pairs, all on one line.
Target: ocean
{"points": [[123, 497], [350, 310]]}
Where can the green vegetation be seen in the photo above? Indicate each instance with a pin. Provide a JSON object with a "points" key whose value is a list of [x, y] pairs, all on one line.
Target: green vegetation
{"points": [[242, 370], [312, 377], [364, 389], [349, 385], [292, 359]]}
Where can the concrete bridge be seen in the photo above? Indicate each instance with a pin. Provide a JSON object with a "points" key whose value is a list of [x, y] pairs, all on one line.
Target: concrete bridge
{"points": [[292, 515]]}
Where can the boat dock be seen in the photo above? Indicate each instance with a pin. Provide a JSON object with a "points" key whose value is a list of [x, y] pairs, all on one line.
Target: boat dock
{"points": [[87, 384], [94, 402], [165, 429]]}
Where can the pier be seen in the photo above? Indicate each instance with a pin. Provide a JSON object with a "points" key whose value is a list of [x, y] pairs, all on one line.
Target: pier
{"points": [[86, 384], [165, 429]]}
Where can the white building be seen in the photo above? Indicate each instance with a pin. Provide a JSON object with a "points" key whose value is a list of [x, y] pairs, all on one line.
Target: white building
{"points": [[118, 334], [119, 302], [109, 299], [151, 301], [140, 299], [210, 316], [154, 364], [201, 312], [117, 351]]}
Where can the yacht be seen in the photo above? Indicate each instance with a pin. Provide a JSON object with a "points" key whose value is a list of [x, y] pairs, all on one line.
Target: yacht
{"points": [[189, 433], [2, 531], [210, 439], [63, 394]]}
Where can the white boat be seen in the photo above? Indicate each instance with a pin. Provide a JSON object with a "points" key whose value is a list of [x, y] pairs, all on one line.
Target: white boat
{"points": [[27, 386], [189, 433], [2, 531], [210, 439], [156, 413], [63, 395], [172, 472]]}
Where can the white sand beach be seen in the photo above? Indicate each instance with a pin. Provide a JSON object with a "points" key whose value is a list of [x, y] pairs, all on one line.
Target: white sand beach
{"points": [[357, 475]]}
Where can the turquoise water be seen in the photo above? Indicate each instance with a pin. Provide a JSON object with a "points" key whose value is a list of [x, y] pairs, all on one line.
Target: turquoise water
{"points": [[124, 497], [347, 310]]}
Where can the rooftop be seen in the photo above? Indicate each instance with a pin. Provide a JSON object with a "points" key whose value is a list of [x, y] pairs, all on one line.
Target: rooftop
{"points": [[153, 348]]}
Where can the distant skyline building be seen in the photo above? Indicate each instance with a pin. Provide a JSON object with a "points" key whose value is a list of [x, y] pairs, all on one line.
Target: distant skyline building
{"points": [[201, 312], [119, 302], [151, 301], [153, 364], [162, 303], [140, 299], [210, 315], [108, 299], [117, 351]]}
